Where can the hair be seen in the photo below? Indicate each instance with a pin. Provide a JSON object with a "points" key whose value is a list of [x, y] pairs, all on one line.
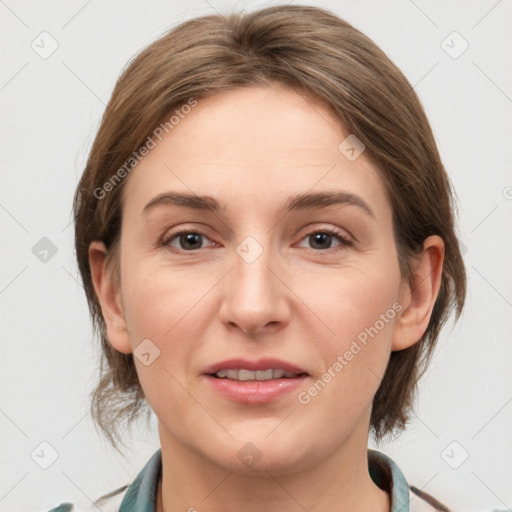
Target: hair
{"points": [[319, 55]]}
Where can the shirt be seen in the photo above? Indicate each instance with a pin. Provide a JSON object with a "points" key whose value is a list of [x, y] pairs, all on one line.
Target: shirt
{"points": [[141, 495]]}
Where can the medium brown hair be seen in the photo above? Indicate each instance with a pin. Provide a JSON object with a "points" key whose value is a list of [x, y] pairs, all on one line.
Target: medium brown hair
{"points": [[317, 54]]}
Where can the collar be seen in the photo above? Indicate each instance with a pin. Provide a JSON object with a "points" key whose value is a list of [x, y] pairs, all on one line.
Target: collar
{"points": [[387, 475], [141, 494]]}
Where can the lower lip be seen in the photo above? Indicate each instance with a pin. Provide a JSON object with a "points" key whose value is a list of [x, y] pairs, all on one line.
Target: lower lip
{"points": [[255, 391]]}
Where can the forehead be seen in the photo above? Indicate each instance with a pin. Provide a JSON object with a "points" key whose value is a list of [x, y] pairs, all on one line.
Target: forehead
{"points": [[255, 124], [254, 142]]}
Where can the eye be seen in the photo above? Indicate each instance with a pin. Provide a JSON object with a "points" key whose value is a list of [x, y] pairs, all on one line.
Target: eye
{"points": [[186, 240], [322, 239]]}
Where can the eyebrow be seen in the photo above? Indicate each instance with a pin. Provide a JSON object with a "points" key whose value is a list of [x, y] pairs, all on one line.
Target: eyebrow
{"points": [[298, 202]]}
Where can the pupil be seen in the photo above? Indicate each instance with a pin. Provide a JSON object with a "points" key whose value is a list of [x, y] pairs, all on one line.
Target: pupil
{"points": [[189, 239], [318, 237]]}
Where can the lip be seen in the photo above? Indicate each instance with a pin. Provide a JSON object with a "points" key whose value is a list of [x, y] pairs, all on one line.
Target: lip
{"points": [[261, 364], [254, 391]]}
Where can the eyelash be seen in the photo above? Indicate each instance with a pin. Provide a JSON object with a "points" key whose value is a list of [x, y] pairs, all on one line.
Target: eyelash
{"points": [[340, 236]]}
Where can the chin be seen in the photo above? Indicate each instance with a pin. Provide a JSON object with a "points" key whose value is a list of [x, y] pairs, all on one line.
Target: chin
{"points": [[255, 455]]}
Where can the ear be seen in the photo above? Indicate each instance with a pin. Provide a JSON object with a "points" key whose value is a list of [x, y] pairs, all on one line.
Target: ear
{"points": [[109, 296], [419, 296]]}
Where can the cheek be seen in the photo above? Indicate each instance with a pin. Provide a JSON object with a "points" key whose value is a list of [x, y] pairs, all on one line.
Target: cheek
{"points": [[156, 300], [169, 307], [354, 299], [159, 306], [360, 307]]}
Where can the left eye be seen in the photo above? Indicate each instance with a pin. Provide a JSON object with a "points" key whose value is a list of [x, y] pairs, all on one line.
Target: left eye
{"points": [[192, 240], [325, 237]]}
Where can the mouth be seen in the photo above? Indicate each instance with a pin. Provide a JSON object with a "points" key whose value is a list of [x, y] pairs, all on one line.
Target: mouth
{"points": [[254, 382], [259, 375]]}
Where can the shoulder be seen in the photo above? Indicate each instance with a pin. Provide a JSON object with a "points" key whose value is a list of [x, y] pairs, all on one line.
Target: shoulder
{"points": [[109, 503], [404, 497], [420, 501], [140, 494], [63, 507]]}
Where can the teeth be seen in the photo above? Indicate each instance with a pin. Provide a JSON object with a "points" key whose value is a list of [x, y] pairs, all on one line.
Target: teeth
{"points": [[244, 375], [264, 374], [278, 374]]}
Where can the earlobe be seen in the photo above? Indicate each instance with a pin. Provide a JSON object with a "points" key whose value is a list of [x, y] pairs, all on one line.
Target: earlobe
{"points": [[109, 295], [419, 296]]}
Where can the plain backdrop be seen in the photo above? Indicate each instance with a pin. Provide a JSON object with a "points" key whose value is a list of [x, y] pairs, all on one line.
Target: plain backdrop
{"points": [[60, 60]]}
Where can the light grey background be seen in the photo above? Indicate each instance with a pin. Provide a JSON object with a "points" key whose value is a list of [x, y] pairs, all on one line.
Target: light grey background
{"points": [[50, 111]]}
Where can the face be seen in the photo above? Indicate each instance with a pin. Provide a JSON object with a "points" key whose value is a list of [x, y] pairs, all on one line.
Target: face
{"points": [[256, 271]]}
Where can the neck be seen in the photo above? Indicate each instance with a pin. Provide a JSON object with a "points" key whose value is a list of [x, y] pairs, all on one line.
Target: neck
{"points": [[340, 482]]}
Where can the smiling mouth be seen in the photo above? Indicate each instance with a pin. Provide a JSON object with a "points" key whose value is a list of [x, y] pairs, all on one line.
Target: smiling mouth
{"points": [[257, 375]]}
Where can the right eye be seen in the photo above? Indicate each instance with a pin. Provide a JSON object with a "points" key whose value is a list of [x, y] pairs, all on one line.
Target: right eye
{"points": [[185, 240]]}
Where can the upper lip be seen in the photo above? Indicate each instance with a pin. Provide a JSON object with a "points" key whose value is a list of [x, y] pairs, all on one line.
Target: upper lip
{"points": [[260, 364]]}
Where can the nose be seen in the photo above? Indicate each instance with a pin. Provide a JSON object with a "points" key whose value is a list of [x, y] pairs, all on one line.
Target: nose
{"points": [[255, 296]]}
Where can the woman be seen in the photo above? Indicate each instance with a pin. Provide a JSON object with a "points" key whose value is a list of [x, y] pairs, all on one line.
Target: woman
{"points": [[265, 234]]}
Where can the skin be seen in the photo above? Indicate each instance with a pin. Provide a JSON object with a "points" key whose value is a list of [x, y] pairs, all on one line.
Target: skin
{"points": [[300, 301]]}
